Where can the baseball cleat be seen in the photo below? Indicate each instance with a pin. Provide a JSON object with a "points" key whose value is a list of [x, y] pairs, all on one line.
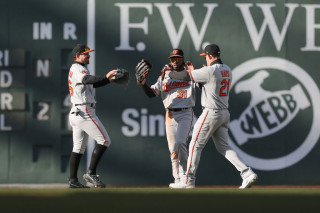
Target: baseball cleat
{"points": [[74, 183], [247, 182], [94, 179], [181, 186], [172, 185]]}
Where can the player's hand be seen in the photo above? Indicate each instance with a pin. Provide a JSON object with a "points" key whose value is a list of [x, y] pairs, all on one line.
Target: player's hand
{"points": [[190, 66], [166, 70], [111, 74], [143, 82]]}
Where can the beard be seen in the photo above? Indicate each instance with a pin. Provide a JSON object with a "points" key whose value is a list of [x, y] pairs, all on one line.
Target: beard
{"points": [[178, 68]]}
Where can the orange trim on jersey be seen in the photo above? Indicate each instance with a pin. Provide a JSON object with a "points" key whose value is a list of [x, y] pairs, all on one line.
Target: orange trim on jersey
{"points": [[194, 145], [191, 76], [96, 126], [154, 92]]}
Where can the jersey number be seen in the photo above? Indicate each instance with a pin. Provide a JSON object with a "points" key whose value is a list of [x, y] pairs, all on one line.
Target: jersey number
{"points": [[182, 93], [70, 88], [224, 90]]}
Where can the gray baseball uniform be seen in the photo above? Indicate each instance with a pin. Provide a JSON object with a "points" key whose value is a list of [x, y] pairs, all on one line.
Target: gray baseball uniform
{"points": [[178, 99], [214, 120], [82, 115]]}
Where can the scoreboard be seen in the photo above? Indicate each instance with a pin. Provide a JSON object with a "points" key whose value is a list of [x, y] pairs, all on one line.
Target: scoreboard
{"points": [[35, 56]]}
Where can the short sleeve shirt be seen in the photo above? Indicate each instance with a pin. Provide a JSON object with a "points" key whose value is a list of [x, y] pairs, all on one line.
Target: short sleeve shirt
{"points": [[216, 80], [80, 93], [175, 93]]}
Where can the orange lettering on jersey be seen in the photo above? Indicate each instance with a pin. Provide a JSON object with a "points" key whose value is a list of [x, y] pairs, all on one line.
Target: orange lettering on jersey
{"points": [[225, 73], [70, 88], [70, 74], [83, 72], [174, 84]]}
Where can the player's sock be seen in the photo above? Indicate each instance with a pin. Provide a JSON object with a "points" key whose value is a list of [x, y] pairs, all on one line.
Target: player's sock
{"points": [[95, 158], [74, 164]]}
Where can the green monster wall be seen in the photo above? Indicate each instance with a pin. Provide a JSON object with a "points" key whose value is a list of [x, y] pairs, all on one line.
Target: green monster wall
{"points": [[272, 46]]}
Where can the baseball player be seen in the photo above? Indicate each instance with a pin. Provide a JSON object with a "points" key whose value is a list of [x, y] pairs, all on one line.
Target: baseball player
{"points": [[82, 116], [216, 79], [178, 98]]}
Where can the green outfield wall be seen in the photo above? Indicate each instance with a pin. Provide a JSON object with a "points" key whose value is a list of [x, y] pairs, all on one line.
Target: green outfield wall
{"points": [[273, 48]]}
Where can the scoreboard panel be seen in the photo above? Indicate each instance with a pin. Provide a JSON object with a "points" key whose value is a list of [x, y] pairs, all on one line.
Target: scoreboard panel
{"points": [[35, 56]]}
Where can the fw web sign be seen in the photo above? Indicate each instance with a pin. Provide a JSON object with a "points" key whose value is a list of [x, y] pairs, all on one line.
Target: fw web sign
{"points": [[273, 116], [198, 32]]}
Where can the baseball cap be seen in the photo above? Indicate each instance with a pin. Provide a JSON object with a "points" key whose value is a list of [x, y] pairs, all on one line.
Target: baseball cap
{"points": [[80, 49], [211, 49], [176, 53]]}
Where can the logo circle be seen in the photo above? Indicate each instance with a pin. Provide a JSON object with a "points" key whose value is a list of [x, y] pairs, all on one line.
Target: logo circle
{"points": [[313, 91]]}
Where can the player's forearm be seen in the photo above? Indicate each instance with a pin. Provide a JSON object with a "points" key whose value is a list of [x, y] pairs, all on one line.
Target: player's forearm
{"points": [[101, 83], [149, 92], [97, 81], [183, 75]]}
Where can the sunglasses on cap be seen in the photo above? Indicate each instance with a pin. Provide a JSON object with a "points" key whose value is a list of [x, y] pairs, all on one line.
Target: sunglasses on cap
{"points": [[177, 60], [85, 50]]}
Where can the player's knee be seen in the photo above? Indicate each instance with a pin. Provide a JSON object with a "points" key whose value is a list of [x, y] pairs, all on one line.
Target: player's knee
{"points": [[104, 143], [174, 155], [78, 150]]}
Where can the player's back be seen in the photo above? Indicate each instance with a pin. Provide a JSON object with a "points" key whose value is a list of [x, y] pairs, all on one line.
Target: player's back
{"points": [[215, 93]]}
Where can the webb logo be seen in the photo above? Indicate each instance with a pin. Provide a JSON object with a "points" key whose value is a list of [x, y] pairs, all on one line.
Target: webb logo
{"points": [[277, 123], [268, 112]]}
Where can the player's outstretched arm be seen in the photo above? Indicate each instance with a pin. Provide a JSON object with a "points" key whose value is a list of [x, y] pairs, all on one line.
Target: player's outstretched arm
{"points": [[183, 75], [148, 91], [189, 66], [96, 81]]}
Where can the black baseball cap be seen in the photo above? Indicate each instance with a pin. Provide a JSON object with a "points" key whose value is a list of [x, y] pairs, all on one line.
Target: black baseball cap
{"points": [[176, 53], [211, 49], [80, 49]]}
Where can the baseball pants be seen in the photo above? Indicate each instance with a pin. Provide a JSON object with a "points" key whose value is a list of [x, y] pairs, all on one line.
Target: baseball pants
{"points": [[84, 123], [178, 127], [214, 124]]}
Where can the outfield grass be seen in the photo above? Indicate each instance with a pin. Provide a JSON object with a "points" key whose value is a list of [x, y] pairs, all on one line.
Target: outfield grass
{"points": [[113, 200]]}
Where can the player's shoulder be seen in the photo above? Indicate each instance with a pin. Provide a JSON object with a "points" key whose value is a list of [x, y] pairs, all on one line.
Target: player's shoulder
{"points": [[224, 66], [76, 67], [221, 67]]}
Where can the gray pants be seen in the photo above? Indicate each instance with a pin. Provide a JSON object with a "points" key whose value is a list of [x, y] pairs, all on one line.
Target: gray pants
{"points": [[85, 123], [215, 124], [178, 128]]}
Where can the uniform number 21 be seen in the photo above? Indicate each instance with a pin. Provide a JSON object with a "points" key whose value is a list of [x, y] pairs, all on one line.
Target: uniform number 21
{"points": [[224, 90]]}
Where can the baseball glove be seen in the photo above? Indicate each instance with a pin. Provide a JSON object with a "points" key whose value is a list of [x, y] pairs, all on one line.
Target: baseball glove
{"points": [[122, 77], [142, 70]]}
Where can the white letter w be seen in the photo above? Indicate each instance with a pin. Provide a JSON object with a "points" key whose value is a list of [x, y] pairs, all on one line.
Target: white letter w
{"points": [[187, 21], [269, 21]]}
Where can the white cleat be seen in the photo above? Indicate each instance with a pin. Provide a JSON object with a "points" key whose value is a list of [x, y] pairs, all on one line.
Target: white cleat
{"points": [[247, 182], [173, 185], [181, 186]]}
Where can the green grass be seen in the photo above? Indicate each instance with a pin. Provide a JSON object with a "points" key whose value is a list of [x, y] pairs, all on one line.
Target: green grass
{"points": [[162, 200]]}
